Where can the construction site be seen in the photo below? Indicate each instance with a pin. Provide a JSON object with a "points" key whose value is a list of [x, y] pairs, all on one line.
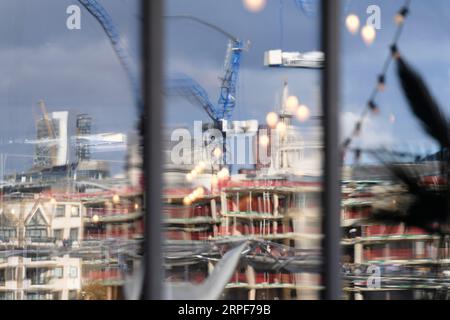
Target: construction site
{"points": [[243, 177]]}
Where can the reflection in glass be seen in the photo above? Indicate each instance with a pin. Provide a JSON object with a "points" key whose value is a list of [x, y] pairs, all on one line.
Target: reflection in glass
{"points": [[247, 168], [71, 222]]}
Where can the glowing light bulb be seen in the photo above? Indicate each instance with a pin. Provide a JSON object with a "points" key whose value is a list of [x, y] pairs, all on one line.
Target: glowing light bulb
{"points": [[292, 103], [399, 19], [95, 218], [202, 165], [198, 169], [264, 140], [116, 198], [217, 152], [368, 34], [52, 200], [189, 177], [281, 128], [187, 201], [302, 113], [400, 16], [223, 174], [352, 23], [254, 5], [136, 206], [272, 119], [199, 192]]}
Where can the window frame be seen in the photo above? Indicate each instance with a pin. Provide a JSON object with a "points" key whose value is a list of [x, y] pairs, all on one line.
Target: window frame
{"points": [[58, 206]]}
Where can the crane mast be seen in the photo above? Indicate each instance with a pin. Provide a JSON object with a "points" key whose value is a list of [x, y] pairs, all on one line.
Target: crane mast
{"points": [[105, 20], [227, 99]]}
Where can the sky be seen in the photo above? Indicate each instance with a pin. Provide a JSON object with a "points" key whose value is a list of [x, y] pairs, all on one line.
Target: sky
{"points": [[77, 70], [425, 44], [199, 52], [74, 70]]}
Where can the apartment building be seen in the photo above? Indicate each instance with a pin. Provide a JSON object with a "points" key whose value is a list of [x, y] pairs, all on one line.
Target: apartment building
{"points": [[36, 234]]}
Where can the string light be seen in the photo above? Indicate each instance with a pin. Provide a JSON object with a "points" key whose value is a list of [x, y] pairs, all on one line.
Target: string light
{"points": [[254, 5], [264, 140], [116, 198], [272, 119], [199, 192], [223, 174], [381, 81], [394, 52], [292, 103], [217, 152], [202, 165], [281, 128], [352, 23], [187, 201], [401, 15], [302, 113], [368, 34], [373, 107]]}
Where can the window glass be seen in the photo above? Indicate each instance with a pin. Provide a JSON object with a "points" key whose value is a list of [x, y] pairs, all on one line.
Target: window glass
{"points": [[243, 147], [70, 147], [58, 234], [395, 169], [59, 272], [75, 211], [74, 234], [60, 210]]}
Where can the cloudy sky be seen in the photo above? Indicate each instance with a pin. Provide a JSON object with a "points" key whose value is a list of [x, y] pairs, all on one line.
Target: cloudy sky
{"points": [[77, 70], [74, 70], [198, 52]]}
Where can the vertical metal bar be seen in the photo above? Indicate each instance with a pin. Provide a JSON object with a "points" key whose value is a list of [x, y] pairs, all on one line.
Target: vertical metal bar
{"points": [[152, 44], [332, 162]]}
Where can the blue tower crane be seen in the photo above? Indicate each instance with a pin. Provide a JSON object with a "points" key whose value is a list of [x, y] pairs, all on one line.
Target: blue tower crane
{"points": [[188, 87], [105, 20]]}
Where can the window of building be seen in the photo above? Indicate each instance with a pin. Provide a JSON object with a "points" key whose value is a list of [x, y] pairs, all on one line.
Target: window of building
{"points": [[73, 294], [74, 234], [60, 210], [6, 295], [73, 272], [57, 295], [38, 296], [7, 233], [58, 234], [58, 272], [38, 276], [2, 277], [10, 274], [37, 228], [75, 211]]}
